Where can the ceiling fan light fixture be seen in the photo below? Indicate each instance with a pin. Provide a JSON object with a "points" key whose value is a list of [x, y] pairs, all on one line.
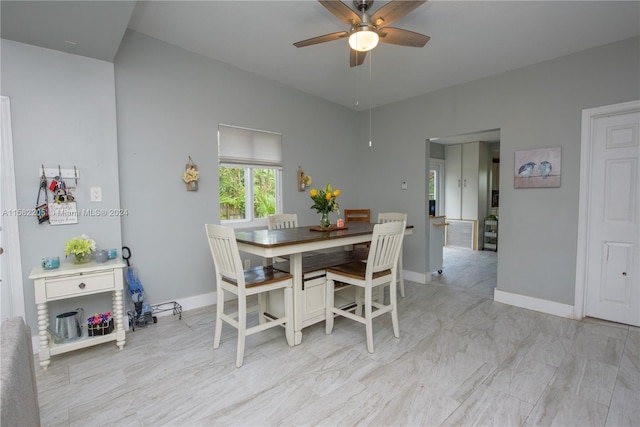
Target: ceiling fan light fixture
{"points": [[363, 39]]}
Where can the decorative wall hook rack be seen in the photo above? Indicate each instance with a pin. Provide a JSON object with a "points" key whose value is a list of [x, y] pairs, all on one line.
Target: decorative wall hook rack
{"points": [[64, 173]]}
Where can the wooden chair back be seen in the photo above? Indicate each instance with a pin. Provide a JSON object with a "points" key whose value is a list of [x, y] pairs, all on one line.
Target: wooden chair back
{"points": [[357, 215]]}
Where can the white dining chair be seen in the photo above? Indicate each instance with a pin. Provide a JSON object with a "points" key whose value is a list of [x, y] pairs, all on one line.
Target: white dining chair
{"points": [[279, 221], [231, 277], [395, 216], [380, 269]]}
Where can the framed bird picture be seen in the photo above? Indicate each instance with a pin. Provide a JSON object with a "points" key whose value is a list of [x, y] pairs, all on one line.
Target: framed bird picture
{"points": [[539, 168]]}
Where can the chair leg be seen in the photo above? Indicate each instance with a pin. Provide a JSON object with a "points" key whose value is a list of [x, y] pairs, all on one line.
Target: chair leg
{"points": [[368, 299], [219, 311], [400, 274], [242, 328], [329, 306], [288, 312], [393, 300]]}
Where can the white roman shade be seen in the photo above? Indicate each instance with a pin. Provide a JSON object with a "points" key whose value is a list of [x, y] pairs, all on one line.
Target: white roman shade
{"points": [[249, 147]]}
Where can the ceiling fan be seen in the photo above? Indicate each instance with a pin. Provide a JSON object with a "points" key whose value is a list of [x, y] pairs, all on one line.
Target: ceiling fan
{"points": [[366, 30]]}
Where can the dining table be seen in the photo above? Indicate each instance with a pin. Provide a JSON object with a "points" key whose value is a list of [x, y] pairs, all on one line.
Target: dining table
{"points": [[294, 243]]}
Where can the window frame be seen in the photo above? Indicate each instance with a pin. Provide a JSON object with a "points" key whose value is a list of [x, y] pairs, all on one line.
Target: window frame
{"points": [[250, 220]]}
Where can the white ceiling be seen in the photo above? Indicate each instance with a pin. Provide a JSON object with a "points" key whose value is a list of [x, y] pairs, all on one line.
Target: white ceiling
{"points": [[469, 39]]}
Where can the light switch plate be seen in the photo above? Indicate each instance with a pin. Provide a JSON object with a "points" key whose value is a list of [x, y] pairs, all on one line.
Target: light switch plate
{"points": [[96, 194]]}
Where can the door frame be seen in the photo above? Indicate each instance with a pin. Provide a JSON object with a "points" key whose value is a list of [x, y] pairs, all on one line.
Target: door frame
{"points": [[11, 262], [438, 164], [582, 262]]}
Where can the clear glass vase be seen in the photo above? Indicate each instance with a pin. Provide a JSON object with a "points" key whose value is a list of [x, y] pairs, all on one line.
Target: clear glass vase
{"points": [[81, 258], [324, 220]]}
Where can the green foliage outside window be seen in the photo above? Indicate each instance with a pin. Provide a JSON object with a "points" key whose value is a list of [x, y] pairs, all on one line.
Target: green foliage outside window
{"points": [[232, 205], [233, 192], [264, 192]]}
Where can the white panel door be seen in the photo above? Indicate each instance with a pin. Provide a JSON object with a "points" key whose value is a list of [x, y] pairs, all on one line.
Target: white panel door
{"points": [[613, 274]]}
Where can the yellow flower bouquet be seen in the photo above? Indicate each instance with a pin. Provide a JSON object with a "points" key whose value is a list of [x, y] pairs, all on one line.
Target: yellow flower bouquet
{"points": [[325, 201]]}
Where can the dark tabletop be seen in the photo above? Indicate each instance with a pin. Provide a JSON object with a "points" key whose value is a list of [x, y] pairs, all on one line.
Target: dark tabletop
{"points": [[289, 236]]}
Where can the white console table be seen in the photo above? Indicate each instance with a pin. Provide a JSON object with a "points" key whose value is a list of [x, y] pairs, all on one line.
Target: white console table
{"points": [[76, 280]]}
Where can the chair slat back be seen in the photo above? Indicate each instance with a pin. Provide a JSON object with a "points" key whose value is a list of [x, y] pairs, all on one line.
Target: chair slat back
{"points": [[225, 253], [357, 215], [386, 244], [280, 221], [391, 216]]}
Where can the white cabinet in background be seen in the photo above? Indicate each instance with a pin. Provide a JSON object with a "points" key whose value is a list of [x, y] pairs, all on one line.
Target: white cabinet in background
{"points": [[453, 181], [467, 180]]}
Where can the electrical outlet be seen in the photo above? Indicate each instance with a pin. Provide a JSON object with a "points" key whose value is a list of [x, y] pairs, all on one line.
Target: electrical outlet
{"points": [[96, 194]]}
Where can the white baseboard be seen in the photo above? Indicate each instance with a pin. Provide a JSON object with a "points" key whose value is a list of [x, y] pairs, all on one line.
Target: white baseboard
{"points": [[191, 303], [536, 304], [416, 277]]}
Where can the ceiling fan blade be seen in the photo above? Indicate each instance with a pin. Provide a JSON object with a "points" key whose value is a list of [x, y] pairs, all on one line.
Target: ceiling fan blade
{"points": [[341, 11], [321, 39], [356, 58], [394, 10], [402, 37]]}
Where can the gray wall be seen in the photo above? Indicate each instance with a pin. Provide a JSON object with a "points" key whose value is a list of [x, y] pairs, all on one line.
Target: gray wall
{"points": [[535, 107], [170, 103], [63, 111]]}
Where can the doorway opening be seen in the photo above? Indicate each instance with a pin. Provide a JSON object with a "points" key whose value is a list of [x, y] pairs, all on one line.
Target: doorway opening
{"points": [[464, 185]]}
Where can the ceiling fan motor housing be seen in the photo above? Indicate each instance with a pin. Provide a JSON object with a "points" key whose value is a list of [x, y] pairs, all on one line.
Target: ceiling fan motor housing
{"points": [[362, 5]]}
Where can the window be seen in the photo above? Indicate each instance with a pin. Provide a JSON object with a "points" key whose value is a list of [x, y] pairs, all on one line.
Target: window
{"points": [[250, 172]]}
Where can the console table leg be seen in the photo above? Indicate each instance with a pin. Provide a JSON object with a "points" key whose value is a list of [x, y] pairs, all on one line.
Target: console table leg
{"points": [[43, 323], [118, 308]]}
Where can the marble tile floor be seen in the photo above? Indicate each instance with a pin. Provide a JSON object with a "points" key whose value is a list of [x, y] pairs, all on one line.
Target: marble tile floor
{"points": [[465, 269], [462, 359]]}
